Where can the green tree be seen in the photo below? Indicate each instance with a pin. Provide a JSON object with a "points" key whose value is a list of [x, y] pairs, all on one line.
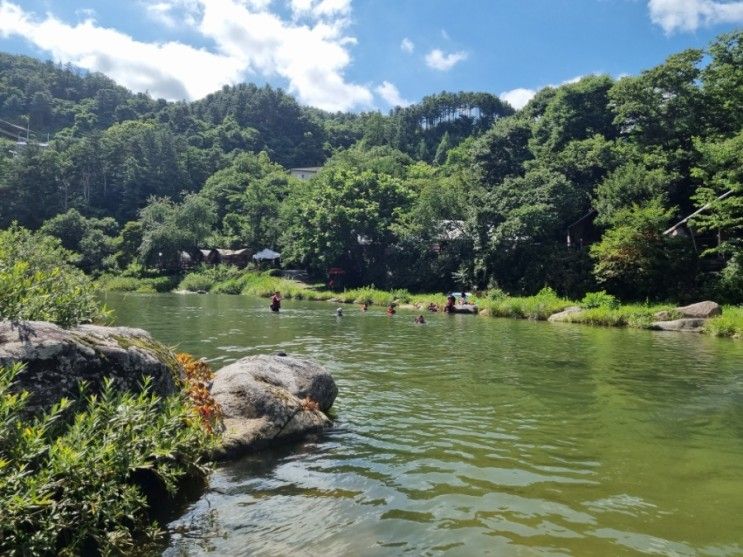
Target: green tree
{"points": [[327, 217], [169, 228], [635, 261], [39, 282]]}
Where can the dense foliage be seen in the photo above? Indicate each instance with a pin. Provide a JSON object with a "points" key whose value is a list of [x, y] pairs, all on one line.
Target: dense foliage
{"points": [[574, 191], [73, 485], [39, 282]]}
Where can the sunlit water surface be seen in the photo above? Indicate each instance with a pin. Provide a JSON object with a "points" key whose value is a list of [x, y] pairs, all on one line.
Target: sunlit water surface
{"points": [[472, 436]]}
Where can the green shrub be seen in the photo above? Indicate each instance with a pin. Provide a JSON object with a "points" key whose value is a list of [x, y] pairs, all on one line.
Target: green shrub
{"points": [[600, 299], [196, 282], [71, 485], [113, 283], [39, 282], [496, 294], [540, 306], [162, 284], [729, 324], [231, 286], [118, 284]]}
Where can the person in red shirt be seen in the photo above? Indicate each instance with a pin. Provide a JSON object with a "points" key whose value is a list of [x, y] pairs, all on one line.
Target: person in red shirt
{"points": [[276, 301]]}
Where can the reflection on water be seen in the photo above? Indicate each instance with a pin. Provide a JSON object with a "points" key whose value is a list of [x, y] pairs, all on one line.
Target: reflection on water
{"points": [[473, 436]]}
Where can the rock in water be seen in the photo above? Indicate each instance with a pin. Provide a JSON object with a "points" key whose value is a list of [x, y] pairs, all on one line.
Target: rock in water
{"points": [[701, 310], [563, 315], [271, 398], [58, 359]]}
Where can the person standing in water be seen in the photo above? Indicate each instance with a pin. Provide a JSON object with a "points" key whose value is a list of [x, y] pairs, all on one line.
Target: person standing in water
{"points": [[276, 301], [391, 310]]}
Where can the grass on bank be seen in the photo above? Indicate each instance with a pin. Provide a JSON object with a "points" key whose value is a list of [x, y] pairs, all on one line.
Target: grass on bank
{"points": [[729, 324]]}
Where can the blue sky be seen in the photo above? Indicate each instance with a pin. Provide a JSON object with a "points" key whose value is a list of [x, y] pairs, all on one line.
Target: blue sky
{"points": [[360, 54]]}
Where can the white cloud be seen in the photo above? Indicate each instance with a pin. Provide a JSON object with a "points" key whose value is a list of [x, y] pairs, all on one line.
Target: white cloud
{"points": [[689, 15], [311, 56], [437, 60], [519, 97], [172, 13], [391, 95], [407, 45], [318, 9]]}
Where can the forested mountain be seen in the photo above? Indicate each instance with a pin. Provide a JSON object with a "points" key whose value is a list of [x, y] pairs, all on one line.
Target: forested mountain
{"points": [[573, 191]]}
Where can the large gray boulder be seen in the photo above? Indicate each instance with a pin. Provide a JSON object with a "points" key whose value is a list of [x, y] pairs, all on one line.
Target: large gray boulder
{"points": [[57, 360], [700, 310], [693, 325], [564, 314], [265, 399]]}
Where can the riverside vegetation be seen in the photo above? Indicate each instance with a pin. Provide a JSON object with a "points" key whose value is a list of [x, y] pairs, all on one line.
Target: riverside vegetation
{"points": [[72, 480], [597, 308], [459, 189]]}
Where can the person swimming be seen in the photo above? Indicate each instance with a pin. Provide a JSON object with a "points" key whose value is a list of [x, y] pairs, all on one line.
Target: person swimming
{"points": [[391, 310], [364, 306], [276, 302], [339, 312], [420, 320]]}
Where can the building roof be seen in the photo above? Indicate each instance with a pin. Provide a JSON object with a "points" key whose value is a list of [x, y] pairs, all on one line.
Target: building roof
{"points": [[267, 254]]}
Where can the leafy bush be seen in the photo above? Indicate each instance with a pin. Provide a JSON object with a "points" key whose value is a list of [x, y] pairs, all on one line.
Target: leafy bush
{"points": [[39, 282], [113, 283], [72, 486], [232, 286], [599, 299], [729, 324], [540, 306], [206, 278], [496, 294], [196, 282]]}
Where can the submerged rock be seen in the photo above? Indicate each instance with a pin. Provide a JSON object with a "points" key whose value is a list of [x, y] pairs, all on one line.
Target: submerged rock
{"points": [[270, 398], [58, 359], [693, 325], [562, 315]]}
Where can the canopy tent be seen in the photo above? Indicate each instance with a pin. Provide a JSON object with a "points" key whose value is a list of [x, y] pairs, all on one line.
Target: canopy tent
{"points": [[266, 254]]}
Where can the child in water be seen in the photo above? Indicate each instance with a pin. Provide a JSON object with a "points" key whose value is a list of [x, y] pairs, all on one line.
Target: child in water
{"points": [[419, 320], [391, 310]]}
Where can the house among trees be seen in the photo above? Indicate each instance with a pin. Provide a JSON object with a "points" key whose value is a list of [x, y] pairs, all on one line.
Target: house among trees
{"points": [[236, 257], [305, 173]]}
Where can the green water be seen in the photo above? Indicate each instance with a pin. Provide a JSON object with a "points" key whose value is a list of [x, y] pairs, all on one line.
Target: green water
{"points": [[473, 436]]}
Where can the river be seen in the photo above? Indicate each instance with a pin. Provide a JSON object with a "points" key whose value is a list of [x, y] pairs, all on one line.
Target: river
{"points": [[472, 436]]}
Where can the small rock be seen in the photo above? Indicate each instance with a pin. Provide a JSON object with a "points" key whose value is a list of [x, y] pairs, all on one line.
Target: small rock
{"points": [[662, 316], [701, 310], [562, 315]]}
